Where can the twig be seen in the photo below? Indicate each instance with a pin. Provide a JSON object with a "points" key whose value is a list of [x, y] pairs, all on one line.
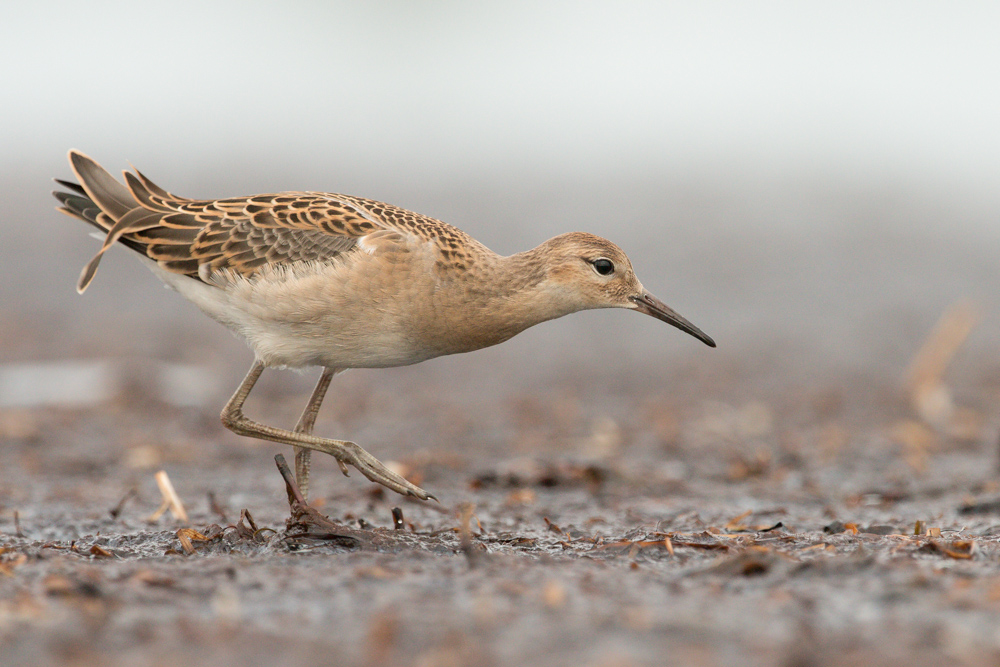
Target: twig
{"points": [[214, 505], [930, 363], [299, 528], [246, 516], [117, 509], [294, 495], [17, 525], [171, 500], [465, 534]]}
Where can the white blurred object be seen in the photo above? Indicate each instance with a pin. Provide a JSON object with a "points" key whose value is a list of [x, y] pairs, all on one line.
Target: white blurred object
{"points": [[76, 383], [63, 383]]}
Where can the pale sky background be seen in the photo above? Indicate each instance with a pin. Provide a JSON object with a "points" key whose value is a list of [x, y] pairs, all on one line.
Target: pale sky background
{"points": [[906, 90], [772, 168]]}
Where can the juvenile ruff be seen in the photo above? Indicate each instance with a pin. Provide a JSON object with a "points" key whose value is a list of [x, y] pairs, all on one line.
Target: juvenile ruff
{"points": [[318, 279]]}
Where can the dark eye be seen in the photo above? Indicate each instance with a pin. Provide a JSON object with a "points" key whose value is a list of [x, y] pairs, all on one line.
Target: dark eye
{"points": [[604, 266]]}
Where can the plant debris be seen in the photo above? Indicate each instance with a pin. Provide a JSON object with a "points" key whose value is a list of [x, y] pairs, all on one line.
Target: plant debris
{"points": [[171, 500]]}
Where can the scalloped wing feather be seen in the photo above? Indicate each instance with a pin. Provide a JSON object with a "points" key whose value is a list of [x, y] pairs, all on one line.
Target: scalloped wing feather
{"points": [[239, 235]]}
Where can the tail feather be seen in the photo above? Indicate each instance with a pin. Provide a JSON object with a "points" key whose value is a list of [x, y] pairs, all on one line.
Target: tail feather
{"points": [[140, 192], [135, 220], [79, 207], [109, 194], [115, 209], [75, 187], [156, 189]]}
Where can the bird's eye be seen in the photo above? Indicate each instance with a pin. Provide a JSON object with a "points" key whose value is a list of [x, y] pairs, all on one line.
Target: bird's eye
{"points": [[604, 266]]}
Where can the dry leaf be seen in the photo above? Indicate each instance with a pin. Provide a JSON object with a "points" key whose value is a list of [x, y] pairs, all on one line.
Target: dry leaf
{"points": [[100, 552], [736, 523]]}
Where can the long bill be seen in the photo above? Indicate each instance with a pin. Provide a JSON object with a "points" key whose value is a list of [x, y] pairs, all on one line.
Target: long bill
{"points": [[650, 305]]}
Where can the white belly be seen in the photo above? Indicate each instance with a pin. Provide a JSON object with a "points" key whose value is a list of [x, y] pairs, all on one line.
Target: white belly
{"points": [[308, 317]]}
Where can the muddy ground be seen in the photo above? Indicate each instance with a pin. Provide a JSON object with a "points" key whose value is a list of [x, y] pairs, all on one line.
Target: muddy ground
{"points": [[612, 523], [803, 495]]}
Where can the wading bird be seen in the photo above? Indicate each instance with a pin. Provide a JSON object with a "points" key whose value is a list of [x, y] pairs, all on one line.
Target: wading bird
{"points": [[336, 281]]}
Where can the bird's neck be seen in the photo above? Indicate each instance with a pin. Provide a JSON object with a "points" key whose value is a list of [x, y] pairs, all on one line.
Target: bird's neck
{"points": [[509, 295], [526, 289]]}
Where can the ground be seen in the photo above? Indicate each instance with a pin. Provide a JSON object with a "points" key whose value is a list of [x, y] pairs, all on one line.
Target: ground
{"points": [[820, 490], [620, 522]]}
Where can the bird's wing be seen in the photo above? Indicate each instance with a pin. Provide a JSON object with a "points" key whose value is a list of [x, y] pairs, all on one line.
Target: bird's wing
{"points": [[242, 235]]}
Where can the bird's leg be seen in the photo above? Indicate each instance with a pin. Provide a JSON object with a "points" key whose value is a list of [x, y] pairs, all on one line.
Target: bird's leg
{"points": [[303, 456], [346, 452]]}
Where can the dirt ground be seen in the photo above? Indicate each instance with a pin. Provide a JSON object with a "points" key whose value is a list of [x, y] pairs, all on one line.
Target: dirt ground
{"points": [[620, 522], [816, 491]]}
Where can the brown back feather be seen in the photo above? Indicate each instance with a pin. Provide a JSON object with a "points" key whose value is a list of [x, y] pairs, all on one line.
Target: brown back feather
{"points": [[241, 234]]}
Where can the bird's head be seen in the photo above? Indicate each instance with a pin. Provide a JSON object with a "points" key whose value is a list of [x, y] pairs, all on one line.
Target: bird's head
{"points": [[586, 272]]}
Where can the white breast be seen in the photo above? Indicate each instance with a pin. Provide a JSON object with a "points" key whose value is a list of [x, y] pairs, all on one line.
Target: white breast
{"points": [[315, 315]]}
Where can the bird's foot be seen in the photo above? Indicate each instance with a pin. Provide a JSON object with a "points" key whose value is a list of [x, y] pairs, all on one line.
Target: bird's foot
{"points": [[369, 466]]}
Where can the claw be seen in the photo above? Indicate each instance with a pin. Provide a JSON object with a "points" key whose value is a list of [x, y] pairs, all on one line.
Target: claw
{"points": [[376, 471]]}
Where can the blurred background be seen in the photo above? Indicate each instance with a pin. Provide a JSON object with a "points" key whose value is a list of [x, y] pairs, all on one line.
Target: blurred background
{"points": [[813, 184], [810, 184]]}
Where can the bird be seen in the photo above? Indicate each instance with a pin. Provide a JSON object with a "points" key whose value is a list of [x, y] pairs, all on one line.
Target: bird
{"points": [[316, 279]]}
